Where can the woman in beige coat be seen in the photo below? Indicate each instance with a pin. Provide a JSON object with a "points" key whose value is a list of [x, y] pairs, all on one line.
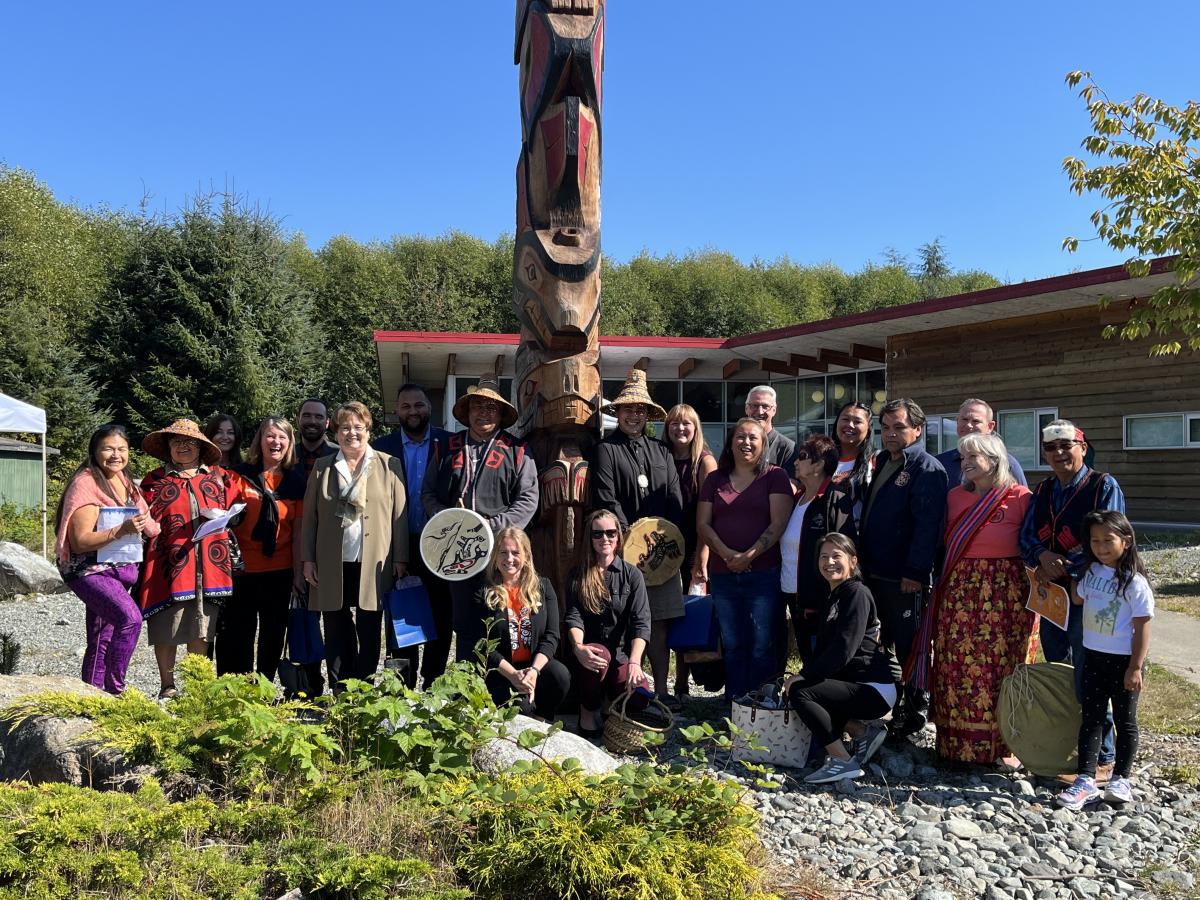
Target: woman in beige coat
{"points": [[354, 544]]}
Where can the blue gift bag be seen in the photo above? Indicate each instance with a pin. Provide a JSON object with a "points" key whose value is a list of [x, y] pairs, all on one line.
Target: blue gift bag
{"points": [[410, 613], [304, 643], [697, 629]]}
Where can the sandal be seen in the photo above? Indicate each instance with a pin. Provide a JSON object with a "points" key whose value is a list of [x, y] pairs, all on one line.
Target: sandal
{"points": [[168, 692]]}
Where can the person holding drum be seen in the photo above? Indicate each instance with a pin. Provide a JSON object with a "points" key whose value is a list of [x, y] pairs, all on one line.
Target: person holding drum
{"points": [[486, 471], [525, 628], [353, 543], [634, 477], [608, 621]]}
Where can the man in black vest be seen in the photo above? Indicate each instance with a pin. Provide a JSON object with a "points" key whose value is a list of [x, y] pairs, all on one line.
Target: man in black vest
{"points": [[634, 477], [903, 512], [486, 469], [419, 445], [1050, 543]]}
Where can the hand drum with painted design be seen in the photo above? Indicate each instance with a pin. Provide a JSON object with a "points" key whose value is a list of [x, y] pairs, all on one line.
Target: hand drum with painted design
{"points": [[456, 544]]}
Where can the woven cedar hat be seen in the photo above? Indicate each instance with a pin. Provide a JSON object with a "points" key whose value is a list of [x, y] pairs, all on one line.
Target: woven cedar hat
{"points": [[488, 387], [635, 391], [155, 443]]}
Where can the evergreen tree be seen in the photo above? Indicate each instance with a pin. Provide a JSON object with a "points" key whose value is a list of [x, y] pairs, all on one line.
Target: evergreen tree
{"points": [[207, 315]]}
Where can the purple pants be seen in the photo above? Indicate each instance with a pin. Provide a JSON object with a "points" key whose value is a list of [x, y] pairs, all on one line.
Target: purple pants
{"points": [[114, 622]]}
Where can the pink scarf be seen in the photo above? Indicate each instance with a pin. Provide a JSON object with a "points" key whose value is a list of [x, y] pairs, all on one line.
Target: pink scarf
{"points": [[84, 491]]}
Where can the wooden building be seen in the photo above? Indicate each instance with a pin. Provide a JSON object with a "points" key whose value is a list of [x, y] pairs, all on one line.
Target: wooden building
{"points": [[1034, 351]]}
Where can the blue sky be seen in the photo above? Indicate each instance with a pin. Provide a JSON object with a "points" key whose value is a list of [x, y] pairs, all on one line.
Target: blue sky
{"points": [[823, 132]]}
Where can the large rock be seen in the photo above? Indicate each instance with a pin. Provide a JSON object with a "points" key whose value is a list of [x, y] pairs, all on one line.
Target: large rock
{"points": [[499, 754], [24, 572], [46, 748]]}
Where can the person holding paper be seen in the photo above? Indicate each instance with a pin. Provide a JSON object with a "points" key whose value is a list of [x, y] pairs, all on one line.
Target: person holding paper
{"points": [[100, 522], [184, 581], [271, 485]]}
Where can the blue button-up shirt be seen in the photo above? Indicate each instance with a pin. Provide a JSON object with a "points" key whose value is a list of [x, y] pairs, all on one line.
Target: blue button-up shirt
{"points": [[416, 457]]}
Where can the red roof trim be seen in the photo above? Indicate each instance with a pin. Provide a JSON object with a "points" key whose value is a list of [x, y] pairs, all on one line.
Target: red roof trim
{"points": [[467, 337], [1074, 281]]}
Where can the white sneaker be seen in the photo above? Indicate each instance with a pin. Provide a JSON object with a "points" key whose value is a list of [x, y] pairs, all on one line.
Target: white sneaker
{"points": [[1119, 790], [835, 770]]}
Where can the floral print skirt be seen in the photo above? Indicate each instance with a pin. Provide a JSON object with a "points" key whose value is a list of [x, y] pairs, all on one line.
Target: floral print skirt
{"points": [[982, 632]]}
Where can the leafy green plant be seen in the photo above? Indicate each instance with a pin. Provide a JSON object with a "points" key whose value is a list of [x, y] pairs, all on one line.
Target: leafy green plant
{"points": [[10, 653]]}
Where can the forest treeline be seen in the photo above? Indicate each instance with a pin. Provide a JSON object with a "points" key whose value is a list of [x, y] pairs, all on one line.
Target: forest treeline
{"points": [[139, 318]]}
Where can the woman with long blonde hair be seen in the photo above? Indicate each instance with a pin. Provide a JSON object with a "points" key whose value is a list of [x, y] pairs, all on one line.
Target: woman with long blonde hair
{"points": [[684, 437], [608, 620], [524, 629]]}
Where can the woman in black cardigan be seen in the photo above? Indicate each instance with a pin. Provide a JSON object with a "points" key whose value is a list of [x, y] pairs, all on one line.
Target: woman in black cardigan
{"points": [[524, 629], [851, 676]]}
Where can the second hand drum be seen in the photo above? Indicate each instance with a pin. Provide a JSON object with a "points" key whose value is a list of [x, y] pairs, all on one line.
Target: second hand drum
{"points": [[456, 543], [655, 546]]}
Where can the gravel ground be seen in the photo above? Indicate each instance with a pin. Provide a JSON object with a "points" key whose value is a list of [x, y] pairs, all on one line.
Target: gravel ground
{"points": [[1173, 566]]}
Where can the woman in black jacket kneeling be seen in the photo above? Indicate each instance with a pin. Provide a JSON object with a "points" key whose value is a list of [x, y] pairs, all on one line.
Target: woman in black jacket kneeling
{"points": [[851, 676], [524, 628]]}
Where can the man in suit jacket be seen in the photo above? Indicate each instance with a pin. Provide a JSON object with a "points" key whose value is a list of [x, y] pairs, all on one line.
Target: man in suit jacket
{"points": [[419, 446]]}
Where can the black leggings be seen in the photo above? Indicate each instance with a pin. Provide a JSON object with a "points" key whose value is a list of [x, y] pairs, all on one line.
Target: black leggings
{"points": [[552, 685], [1104, 680], [826, 706]]}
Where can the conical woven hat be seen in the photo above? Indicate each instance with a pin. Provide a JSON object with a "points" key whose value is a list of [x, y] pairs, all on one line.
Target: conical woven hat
{"points": [[488, 387], [636, 391], [155, 443]]}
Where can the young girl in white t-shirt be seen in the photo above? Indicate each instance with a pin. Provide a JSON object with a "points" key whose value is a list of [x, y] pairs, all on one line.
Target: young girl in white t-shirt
{"points": [[1117, 607]]}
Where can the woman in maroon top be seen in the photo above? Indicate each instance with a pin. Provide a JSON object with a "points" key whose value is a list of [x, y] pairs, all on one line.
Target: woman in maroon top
{"points": [[743, 509]]}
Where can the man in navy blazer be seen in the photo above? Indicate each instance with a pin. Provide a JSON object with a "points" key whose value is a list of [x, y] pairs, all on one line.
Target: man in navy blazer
{"points": [[904, 510], [419, 445]]}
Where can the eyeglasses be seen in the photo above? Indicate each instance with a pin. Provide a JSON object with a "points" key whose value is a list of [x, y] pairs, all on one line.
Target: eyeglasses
{"points": [[602, 534], [351, 429], [763, 406], [1058, 446]]}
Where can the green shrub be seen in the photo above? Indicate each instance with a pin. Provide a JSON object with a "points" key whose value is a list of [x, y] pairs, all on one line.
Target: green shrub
{"points": [[644, 832], [22, 526]]}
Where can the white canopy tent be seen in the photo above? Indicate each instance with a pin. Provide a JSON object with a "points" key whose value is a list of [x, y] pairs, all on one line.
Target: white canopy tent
{"points": [[19, 417]]}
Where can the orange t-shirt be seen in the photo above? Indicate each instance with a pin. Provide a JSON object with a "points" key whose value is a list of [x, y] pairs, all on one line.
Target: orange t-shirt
{"points": [[520, 630], [997, 539], [289, 515]]}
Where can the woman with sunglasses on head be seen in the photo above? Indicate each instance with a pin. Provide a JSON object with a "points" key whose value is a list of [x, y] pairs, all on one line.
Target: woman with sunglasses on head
{"points": [[823, 507], [608, 621], [184, 582]]}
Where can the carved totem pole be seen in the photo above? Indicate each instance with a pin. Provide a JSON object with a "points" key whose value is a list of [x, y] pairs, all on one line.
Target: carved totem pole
{"points": [[556, 263]]}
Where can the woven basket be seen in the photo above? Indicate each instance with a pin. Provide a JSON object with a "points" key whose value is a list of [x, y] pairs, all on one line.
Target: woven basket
{"points": [[624, 734]]}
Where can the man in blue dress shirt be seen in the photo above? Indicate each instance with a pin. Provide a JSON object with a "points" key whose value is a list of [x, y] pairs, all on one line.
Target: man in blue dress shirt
{"points": [[419, 445]]}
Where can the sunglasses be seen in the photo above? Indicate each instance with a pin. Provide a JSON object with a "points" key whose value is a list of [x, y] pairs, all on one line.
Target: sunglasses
{"points": [[604, 533], [1057, 446]]}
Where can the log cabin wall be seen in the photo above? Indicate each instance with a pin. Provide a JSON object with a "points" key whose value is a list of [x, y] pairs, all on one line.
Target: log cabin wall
{"points": [[1060, 360]]}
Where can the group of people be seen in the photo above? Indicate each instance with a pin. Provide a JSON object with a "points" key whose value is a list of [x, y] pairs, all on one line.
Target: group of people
{"points": [[904, 575]]}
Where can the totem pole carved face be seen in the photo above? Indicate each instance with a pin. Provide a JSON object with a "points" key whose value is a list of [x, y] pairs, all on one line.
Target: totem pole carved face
{"points": [[556, 263]]}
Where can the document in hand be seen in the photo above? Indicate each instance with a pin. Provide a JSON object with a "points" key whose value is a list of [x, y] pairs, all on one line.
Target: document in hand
{"points": [[217, 521], [125, 549]]}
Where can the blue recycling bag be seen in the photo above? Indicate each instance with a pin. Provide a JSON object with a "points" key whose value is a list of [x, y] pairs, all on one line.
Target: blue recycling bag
{"points": [[697, 629], [410, 614]]}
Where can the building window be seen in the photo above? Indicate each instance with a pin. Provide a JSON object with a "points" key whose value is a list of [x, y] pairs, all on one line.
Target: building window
{"points": [[1021, 430], [941, 433], [1162, 431]]}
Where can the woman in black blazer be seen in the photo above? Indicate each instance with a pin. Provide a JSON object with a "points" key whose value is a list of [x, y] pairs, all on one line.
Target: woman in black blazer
{"points": [[524, 631]]}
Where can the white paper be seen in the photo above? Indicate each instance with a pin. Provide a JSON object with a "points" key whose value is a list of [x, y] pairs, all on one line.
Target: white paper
{"points": [[125, 549], [217, 521]]}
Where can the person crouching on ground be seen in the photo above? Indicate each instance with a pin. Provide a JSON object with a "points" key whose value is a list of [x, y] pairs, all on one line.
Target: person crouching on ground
{"points": [[608, 621], [851, 676], [524, 628]]}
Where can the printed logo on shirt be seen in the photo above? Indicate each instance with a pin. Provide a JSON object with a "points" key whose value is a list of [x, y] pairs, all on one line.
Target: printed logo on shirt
{"points": [[1100, 617], [902, 479]]}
